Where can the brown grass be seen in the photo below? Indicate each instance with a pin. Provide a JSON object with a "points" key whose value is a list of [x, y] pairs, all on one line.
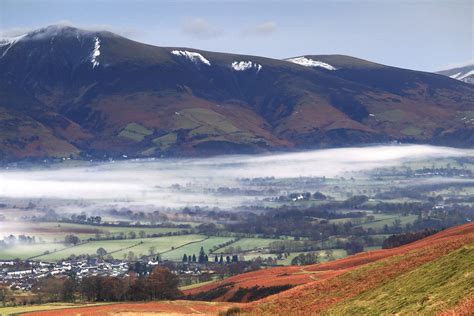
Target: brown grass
{"points": [[161, 308]]}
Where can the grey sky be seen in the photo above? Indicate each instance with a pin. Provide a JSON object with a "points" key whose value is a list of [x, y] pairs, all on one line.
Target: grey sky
{"points": [[423, 35]]}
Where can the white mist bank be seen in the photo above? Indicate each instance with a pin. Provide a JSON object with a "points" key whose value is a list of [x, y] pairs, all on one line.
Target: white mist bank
{"points": [[148, 181]]}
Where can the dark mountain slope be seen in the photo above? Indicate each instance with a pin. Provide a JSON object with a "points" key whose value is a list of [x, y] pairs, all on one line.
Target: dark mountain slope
{"points": [[102, 94]]}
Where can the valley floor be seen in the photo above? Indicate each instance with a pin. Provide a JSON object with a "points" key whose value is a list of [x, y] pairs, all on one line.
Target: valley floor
{"points": [[433, 276]]}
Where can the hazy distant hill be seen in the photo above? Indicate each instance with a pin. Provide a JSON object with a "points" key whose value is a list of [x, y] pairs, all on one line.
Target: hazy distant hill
{"points": [[465, 74], [65, 91]]}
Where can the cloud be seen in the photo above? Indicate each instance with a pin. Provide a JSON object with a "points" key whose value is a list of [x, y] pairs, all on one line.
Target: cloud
{"points": [[149, 182], [263, 29], [200, 28], [14, 31], [456, 65]]}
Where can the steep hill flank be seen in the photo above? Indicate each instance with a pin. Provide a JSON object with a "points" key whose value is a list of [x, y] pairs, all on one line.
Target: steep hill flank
{"points": [[429, 276]]}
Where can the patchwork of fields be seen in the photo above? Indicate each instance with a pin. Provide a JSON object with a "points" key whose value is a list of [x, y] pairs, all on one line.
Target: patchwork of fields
{"points": [[118, 244]]}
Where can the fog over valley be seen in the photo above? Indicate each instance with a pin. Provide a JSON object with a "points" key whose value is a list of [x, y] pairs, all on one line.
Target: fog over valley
{"points": [[172, 183]]}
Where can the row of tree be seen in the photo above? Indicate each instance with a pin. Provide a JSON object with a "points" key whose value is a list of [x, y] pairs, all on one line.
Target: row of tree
{"points": [[160, 284], [406, 238], [204, 258]]}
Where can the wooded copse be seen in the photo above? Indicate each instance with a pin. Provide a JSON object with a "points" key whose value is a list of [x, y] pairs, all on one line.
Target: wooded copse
{"points": [[160, 284]]}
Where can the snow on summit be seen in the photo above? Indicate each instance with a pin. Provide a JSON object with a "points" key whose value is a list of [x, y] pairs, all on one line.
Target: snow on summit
{"points": [[456, 75], [192, 56], [307, 62], [95, 53], [9, 42], [466, 75], [245, 65]]}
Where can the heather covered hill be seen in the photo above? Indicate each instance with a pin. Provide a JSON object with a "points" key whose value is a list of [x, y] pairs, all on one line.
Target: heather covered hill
{"points": [[66, 91], [346, 283]]}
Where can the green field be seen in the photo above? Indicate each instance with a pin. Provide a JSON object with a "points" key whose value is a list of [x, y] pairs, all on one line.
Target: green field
{"points": [[246, 244], [55, 232], [135, 131], [119, 248], [341, 220], [380, 222], [194, 248], [391, 115], [88, 248], [28, 251], [337, 254], [412, 131], [165, 141], [170, 247], [162, 244]]}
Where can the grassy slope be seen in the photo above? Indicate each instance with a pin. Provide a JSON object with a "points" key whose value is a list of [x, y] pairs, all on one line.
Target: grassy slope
{"points": [[428, 289]]}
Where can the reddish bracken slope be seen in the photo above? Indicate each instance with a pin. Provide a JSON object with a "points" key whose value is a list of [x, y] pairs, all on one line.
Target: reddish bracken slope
{"points": [[453, 237]]}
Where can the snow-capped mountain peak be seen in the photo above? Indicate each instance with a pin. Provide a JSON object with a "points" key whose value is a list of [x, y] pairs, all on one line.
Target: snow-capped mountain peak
{"points": [[9, 42]]}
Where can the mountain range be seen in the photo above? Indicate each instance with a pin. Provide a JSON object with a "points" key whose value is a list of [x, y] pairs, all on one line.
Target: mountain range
{"points": [[70, 92]]}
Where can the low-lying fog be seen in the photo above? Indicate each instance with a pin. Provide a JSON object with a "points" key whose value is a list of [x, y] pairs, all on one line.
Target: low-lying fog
{"points": [[155, 182]]}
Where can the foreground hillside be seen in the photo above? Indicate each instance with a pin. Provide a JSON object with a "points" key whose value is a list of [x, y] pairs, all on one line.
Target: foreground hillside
{"points": [[431, 276], [65, 91]]}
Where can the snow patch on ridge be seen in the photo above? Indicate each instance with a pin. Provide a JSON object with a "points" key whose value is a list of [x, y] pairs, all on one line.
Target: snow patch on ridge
{"points": [[95, 53], [455, 76], [9, 41], [307, 62], [192, 56], [245, 65], [467, 74]]}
